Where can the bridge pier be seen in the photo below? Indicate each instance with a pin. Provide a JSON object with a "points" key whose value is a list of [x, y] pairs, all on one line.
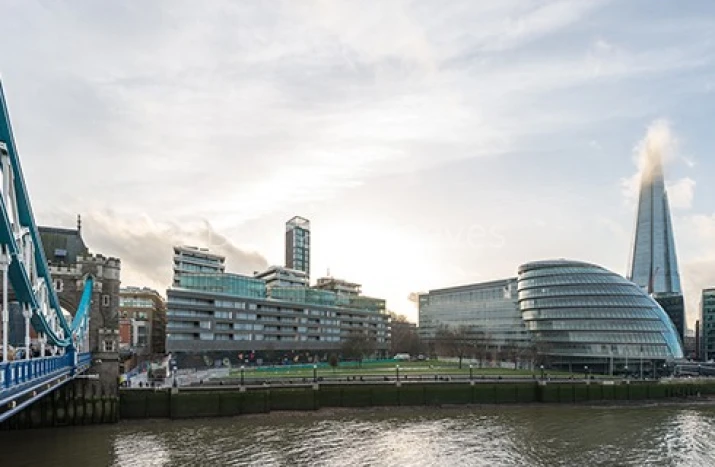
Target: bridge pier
{"points": [[78, 402]]}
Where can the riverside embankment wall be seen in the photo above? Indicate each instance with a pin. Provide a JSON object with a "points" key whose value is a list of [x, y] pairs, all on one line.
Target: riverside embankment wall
{"points": [[225, 401]]}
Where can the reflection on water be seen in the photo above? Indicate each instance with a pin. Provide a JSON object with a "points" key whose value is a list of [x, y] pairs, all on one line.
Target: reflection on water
{"points": [[489, 436]]}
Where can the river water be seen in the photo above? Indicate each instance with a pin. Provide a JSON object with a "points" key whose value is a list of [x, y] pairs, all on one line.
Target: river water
{"points": [[672, 435]]}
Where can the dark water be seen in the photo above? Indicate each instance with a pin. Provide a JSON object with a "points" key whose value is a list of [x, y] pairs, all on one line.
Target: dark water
{"points": [[494, 436]]}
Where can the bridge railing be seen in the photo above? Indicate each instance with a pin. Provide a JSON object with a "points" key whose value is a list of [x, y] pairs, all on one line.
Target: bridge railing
{"points": [[18, 372]]}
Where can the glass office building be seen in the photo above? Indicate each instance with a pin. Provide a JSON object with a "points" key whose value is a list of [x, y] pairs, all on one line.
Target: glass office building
{"points": [[488, 309], [654, 265], [584, 315], [707, 323]]}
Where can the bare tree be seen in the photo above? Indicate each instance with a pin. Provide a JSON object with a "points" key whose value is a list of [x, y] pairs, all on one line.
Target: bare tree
{"points": [[454, 342], [357, 346]]}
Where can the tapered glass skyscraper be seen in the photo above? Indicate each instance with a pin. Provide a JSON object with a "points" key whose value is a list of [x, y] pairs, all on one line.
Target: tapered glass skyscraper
{"points": [[654, 264]]}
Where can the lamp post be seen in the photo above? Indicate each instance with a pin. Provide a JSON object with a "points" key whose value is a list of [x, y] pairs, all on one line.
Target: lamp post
{"points": [[665, 370], [397, 372], [625, 369], [585, 372], [315, 373], [471, 375], [242, 369], [542, 372]]}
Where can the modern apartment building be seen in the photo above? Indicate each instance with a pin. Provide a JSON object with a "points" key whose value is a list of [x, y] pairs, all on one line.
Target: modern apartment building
{"points": [[142, 321], [297, 245], [707, 324], [274, 315], [279, 276], [192, 260], [228, 315]]}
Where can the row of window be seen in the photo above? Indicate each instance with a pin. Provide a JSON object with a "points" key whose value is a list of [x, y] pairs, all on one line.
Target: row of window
{"points": [[580, 290], [135, 302], [600, 337], [585, 302], [563, 270], [634, 352], [251, 337], [597, 325], [496, 293], [590, 313], [568, 280]]}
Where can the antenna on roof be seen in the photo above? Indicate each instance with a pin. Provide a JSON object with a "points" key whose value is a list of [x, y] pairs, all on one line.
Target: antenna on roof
{"points": [[79, 223]]}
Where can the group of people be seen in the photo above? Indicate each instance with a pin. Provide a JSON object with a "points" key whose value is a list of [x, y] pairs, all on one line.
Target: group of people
{"points": [[19, 353]]}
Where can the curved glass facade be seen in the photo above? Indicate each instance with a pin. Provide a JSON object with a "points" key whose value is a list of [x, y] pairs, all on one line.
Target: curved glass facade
{"points": [[582, 313]]}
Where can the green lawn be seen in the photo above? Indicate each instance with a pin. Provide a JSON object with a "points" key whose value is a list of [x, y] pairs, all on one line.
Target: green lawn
{"points": [[428, 368]]}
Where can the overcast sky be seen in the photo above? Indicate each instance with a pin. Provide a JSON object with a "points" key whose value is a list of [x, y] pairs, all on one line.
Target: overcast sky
{"points": [[430, 143]]}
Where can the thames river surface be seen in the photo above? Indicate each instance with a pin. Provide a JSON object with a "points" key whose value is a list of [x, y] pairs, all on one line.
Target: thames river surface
{"points": [[489, 436]]}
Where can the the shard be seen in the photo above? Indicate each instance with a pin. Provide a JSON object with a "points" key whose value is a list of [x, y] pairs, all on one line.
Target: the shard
{"points": [[654, 261]]}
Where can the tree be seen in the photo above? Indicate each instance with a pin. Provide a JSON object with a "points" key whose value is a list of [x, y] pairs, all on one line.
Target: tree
{"points": [[454, 342], [357, 346], [404, 337], [333, 361]]}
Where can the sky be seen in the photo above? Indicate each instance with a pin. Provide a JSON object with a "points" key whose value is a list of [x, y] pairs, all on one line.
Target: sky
{"points": [[431, 144]]}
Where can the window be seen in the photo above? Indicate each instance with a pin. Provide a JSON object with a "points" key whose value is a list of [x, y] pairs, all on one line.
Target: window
{"points": [[109, 346], [59, 285], [105, 300]]}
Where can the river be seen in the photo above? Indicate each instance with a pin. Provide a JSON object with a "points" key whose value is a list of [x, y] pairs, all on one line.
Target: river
{"points": [[673, 435]]}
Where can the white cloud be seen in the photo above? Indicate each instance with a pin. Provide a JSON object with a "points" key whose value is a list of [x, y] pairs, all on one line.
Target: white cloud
{"points": [[658, 148], [240, 110], [681, 193]]}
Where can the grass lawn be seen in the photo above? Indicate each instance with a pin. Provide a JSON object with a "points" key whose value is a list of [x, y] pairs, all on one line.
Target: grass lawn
{"points": [[427, 368]]}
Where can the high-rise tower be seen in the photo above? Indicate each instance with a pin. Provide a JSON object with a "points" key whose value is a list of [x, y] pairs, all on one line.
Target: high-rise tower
{"points": [[298, 245], [654, 262]]}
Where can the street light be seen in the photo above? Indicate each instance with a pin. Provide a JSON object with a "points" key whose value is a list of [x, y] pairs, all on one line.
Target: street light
{"points": [[315, 373], [542, 372], [585, 372], [397, 371], [471, 367], [242, 369]]}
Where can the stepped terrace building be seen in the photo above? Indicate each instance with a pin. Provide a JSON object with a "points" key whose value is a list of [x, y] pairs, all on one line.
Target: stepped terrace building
{"points": [[218, 316]]}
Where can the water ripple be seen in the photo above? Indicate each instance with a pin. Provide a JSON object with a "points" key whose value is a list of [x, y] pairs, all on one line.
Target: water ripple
{"points": [[487, 436]]}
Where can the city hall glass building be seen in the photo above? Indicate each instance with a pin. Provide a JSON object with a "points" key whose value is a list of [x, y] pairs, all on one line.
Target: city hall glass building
{"points": [[581, 314]]}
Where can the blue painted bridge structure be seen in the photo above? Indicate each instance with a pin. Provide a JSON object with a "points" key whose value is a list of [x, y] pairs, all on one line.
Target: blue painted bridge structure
{"points": [[59, 345]]}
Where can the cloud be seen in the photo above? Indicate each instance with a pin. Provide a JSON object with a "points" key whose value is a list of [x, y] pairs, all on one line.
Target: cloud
{"points": [[145, 247], [658, 147], [681, 193], [242, 112]]}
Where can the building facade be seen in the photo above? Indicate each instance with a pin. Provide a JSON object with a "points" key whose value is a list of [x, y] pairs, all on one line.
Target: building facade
{"points": [[228, 316], [279, 276], [707, 325], [487, 310], [582, 315], [70, 263], [297, 245], [654, 265], [193, 260], [142, 321]]}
